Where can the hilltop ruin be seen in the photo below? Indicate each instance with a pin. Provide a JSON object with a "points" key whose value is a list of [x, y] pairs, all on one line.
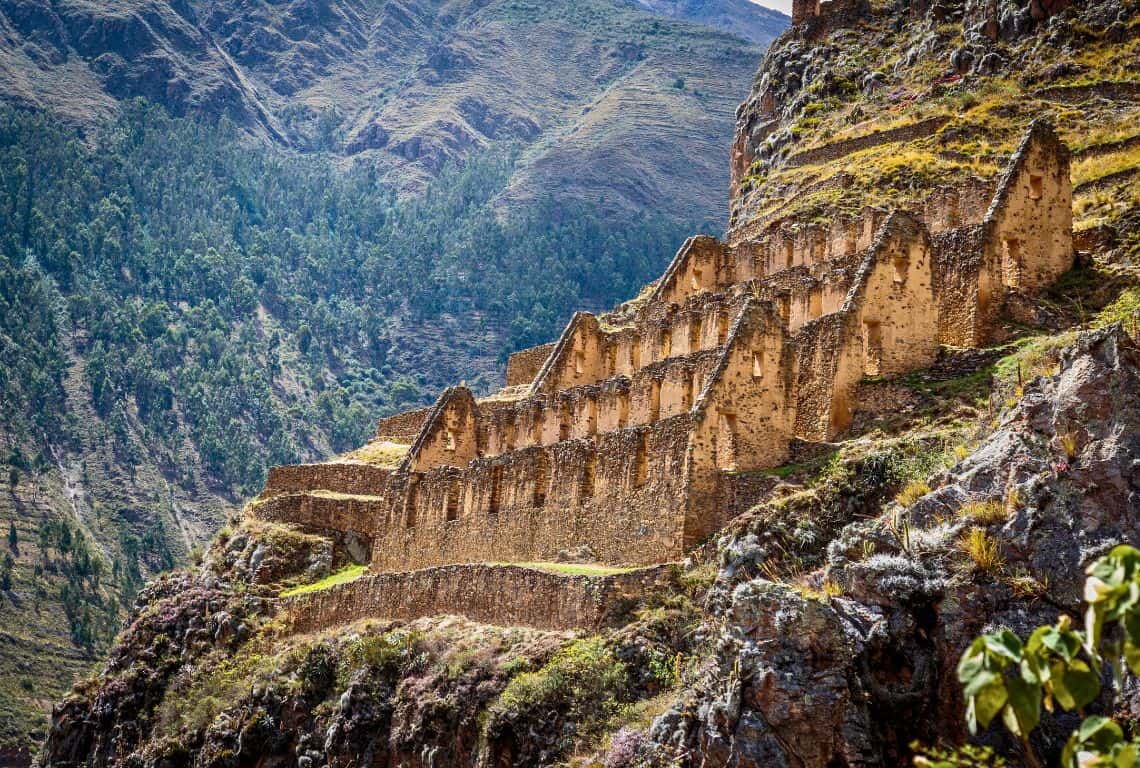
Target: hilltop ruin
{"points": [[638, 434]]}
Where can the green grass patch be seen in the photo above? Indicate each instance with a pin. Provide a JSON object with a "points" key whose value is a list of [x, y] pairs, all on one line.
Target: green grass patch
{"points": [[584, 679], [1125, 310], [783, 472], [343, 576], [973, 387]]}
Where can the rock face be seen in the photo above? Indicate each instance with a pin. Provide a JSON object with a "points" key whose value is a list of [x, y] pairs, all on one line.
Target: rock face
{"points": [[854, 679]]}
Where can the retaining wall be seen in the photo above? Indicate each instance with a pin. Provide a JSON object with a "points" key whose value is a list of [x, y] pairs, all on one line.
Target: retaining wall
{"points": [[838, 149], [506, 595], [356, 479]]}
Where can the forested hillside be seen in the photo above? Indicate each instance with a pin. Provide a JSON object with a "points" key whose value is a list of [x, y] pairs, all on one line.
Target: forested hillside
{"points": [[182, 307], [616, 104]]}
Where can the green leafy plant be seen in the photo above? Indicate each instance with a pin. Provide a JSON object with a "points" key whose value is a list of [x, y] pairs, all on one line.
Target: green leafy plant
{"points": [[1059, 666], [965, 756]]}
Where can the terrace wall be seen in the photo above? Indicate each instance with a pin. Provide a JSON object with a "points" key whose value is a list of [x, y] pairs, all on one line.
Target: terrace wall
{"points": [[313, 511], [339, 477], [493, 594]]}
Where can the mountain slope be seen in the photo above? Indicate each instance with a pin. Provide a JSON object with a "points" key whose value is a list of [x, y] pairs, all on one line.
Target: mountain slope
{"points": [[831, 126], [738, 17], [416, 83]]}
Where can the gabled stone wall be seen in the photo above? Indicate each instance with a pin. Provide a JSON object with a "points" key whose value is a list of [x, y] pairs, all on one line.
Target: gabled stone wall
{"points": [[524, 365], [1032, 214], [634, 435], [743, 418], [449, 435]]}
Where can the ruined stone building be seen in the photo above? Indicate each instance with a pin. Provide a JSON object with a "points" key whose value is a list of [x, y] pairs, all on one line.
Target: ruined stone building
{"points": [[638, 433]]}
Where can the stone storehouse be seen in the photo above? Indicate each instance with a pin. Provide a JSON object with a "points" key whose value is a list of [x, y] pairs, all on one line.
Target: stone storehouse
{"points": [[635, 433]]}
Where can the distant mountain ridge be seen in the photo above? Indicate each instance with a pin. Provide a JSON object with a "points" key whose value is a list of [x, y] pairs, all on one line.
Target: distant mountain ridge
{"points": [[418, 83], [738, 17]]}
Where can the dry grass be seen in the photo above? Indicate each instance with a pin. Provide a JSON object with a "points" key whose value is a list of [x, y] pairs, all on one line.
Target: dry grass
{"points": [[378, 453], [912, 493], [573, 569], [1068, 442], [1026, 585], [983, 550], [984, 512], [507, 394], [823, 593], [1090, 169]]}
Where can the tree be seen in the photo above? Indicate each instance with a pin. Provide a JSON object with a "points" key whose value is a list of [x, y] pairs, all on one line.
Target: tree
{"points": [[13, 478], [13, 538], [6, 573]]}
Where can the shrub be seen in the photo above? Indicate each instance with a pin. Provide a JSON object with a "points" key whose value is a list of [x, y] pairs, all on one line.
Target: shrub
{"points": [[394, 650], [623, 748], [585, 680], [1058, 666], [666, 669]]}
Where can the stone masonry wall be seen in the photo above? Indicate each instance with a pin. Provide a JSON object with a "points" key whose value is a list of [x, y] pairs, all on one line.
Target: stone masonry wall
{"points": [[1032, 214], [403, 427], [339, 477], [493, 594], [523, 366], [744, 416], [897, 326], [313, 511], [962, 288], [622, 496], [450, 435]]}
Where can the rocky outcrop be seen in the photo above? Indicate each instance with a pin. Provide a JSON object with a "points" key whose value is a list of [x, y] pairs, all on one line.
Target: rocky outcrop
{"points": [[852, 679]]}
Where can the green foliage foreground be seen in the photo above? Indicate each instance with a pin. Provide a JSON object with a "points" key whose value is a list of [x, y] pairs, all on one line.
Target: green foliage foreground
{"points": [[1060, 667]]}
